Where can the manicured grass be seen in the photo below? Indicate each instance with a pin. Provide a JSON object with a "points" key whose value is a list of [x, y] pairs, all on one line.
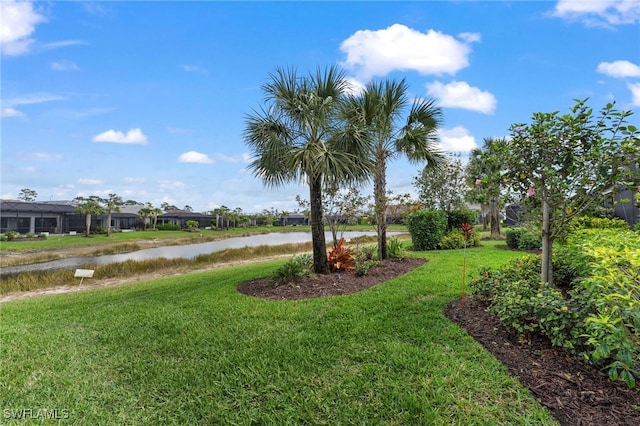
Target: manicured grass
{"points": [[192, 350]]}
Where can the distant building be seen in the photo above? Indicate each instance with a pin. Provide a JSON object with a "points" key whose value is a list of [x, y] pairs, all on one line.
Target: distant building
{"points": [[59, 217]]}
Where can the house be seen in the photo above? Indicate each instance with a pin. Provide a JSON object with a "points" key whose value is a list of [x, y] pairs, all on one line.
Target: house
{"points": [[180, 217], [59, 217]]}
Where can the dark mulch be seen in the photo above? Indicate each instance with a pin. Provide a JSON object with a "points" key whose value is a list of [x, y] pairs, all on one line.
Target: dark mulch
{"points": [[576, 393], [335, 284]]}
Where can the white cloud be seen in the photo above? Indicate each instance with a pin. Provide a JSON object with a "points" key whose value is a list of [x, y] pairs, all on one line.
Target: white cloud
{"points": [[33, 98], [619, 69], [635, 93], [86, 181], [133, 136], [194, 157], [11, 112], [457, 139], [19, 20], [458, 94], [377, 53], [600, 12], [356, 87], [42, 156], [64, 65]]}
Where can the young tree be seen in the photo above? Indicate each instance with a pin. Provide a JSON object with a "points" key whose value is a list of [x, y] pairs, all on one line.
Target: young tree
{"points": [[566, 162], [299, 136], [485, 176], [89, 206], [27, 195], [443, 188], [380, 109]]}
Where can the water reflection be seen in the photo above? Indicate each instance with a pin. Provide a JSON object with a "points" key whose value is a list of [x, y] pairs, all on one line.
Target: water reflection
{"points": [[186, 251]]}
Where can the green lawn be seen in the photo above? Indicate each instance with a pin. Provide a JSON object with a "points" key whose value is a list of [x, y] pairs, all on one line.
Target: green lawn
{"points": [[192, 350]]}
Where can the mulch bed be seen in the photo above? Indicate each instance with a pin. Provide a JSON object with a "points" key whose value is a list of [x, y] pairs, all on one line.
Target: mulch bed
{"points": [[576, 393], [335, 284]]}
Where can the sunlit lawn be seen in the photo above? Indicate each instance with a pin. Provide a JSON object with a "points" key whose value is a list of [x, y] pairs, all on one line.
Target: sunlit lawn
{"points": [[192, 350]]}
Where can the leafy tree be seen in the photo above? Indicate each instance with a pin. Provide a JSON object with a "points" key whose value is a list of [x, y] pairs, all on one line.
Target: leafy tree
{"points": [[89, 206], [566, 162], [339, 207], [380, 110], [442, 188], [27, 195], [298, 135], [112, 204], [187, 208], [485, 174], [168, 207]]}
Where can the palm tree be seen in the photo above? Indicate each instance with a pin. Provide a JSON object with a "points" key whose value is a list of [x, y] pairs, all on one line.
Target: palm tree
{"points": [[298, 136], [144, 213], [89, 206], [380, 107]]}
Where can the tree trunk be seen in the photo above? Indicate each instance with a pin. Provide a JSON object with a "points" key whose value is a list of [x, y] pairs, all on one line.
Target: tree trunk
{"points": [[320, 262], [109, 224], [547, 242], [485, 216], [380, 196], [87, 222], [495, 219]]}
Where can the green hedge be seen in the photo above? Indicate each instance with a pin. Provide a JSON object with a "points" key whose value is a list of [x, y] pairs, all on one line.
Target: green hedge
{"points": [[427, 227], [594, 309]]}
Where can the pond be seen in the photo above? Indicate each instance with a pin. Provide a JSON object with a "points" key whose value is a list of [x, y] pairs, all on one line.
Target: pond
{"points": [[185, 251]]}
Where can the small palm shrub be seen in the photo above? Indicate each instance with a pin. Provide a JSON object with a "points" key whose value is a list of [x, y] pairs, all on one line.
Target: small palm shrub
{"points": [[295, 268], [395, 249]]}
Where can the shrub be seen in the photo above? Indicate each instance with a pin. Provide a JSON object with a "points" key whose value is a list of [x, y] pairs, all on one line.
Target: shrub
{"points": [[395, 249], [363, 268], [598, 318], [456, 218], [427, 227], [11, 235], [341, 258], [294, 268], [586, 222], [529, 241], [168, 227], [455, 240], [523, 239], [31, 235]]}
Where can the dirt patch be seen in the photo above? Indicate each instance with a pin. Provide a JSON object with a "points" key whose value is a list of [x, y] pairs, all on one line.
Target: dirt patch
{"points": [[576, 393]]}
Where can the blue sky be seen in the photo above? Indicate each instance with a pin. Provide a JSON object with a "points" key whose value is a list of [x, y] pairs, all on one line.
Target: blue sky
{"points": [[148, 100]]}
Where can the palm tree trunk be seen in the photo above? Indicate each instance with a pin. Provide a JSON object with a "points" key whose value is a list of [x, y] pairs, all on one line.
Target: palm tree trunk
{"points": [[320, 262], [87, 222], [379, 191], [109, 224]]}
